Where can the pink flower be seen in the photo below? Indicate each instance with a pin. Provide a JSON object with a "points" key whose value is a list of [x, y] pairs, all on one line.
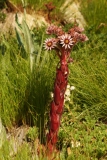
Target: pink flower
{"points": [[49, 43], [66, 41], [83, 37], [78, 29], [51, 29], [59, 31], [80, 37]]}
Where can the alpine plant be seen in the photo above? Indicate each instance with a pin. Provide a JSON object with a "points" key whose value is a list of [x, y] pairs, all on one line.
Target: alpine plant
{"points": [[62, 43]]}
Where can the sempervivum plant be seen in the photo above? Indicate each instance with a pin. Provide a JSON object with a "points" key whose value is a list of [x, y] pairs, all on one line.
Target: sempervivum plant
{"points": [[62, 43]]}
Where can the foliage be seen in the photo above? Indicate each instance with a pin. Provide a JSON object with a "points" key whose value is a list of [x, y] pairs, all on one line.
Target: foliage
{"points": [[13, 80], [32, 133], [30, 4], [25, 96], [25, 40], [95, 13], [88, 75], [2, 17], [2, 4], [81, 136]]}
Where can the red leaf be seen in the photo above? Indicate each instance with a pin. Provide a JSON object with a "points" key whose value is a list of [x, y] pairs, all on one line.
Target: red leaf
{"points": [[57, 96], [53, 108], [54, 138], [55, 121], [60, 107], [59, 77]]}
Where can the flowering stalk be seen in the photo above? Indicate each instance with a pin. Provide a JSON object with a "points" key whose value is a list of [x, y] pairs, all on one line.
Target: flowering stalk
{"points": [[63, 44]]}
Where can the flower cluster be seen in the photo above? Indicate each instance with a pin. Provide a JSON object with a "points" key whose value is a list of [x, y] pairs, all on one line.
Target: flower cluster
{"points": [[64, 40], [52, 29], [68, 92], [76, 34]]}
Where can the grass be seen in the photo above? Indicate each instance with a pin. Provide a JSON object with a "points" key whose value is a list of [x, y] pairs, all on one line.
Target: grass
{"points": [[95, 14], [25, 95], [88, 75], [83, 136], [80, 137], [39, 5], [14, 77]]}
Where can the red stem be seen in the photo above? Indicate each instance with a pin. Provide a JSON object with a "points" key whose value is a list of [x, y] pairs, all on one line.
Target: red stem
{"points": [[56, 106]]}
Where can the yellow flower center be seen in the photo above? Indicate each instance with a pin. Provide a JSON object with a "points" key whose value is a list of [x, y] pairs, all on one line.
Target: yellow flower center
{"points": [[49, 44], [66, 41]]}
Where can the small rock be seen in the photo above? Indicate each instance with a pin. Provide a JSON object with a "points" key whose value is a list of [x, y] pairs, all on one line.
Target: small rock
{"points": [[72, 13], [34, 20], [69, 150], [2, 134], [16, 138]]}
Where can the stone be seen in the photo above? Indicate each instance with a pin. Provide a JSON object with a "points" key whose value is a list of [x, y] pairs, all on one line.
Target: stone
{"points": [[2, 134], [31, 20], [71, 12]]}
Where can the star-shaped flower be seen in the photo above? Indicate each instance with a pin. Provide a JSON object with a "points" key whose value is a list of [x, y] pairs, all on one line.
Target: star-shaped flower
{"points": [[49, 43], [66, 41]]}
